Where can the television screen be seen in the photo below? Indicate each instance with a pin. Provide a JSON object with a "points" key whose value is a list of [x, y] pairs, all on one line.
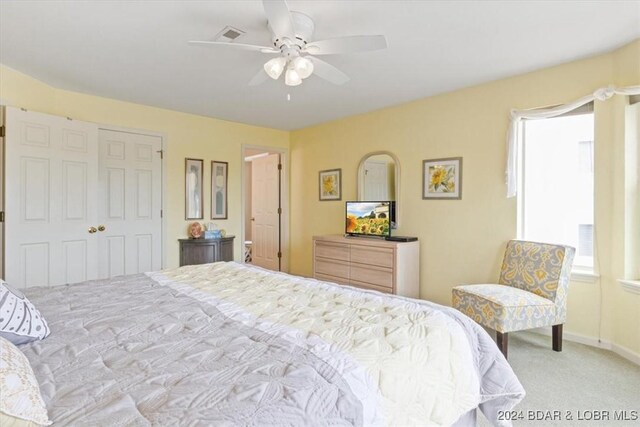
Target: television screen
{"points": [[368, 219]]}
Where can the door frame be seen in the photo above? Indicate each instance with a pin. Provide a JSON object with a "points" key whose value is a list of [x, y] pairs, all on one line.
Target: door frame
{"points": [[2, 171], [163, 179], [284, 200]]}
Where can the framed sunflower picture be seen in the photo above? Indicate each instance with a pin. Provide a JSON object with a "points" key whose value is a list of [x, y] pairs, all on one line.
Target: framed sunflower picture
{"points": [[442, 178], [330, 183]]}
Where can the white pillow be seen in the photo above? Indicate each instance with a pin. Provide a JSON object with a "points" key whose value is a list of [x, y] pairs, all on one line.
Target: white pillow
{"points": [[20, 322], [21, 396]]}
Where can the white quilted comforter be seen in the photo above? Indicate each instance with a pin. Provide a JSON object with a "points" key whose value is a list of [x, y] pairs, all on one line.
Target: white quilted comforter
{"points": [[226, 344]]}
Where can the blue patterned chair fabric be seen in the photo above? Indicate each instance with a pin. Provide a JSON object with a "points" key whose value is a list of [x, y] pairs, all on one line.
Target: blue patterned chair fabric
{"points": [[531, 291]]}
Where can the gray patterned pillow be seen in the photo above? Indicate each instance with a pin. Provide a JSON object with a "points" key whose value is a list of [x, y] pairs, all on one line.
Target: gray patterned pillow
{"points": [[20, 322]]}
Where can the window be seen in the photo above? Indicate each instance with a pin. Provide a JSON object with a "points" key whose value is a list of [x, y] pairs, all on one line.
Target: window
{"points": [[556, 198], [585, 240]]}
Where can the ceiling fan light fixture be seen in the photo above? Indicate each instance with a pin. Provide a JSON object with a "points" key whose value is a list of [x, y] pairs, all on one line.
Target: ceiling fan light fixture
{"points": [[292, 41], [292, 78], [275, 66], [303, 67]]}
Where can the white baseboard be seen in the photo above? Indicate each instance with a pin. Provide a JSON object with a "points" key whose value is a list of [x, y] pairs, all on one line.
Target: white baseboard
{"points": [[594, 342], [626, 353]]}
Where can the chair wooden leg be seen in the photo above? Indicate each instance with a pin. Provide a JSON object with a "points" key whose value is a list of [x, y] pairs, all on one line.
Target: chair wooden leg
{"points": [[503, 342], [557, 337]]}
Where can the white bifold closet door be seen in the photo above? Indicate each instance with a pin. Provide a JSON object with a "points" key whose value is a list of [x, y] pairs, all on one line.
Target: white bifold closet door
{"points": [[129, 203], [50, 181], [77, 209]]}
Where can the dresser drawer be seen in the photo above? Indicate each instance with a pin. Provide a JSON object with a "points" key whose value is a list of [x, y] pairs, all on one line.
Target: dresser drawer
{"points": [[329, 267], [327, 278], [332, 251], [384, 266], [369, 286], [373, 275], [382, 257]]}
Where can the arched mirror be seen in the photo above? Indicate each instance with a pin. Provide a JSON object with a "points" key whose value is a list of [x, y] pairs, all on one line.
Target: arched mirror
{"points": [[379, 179]]}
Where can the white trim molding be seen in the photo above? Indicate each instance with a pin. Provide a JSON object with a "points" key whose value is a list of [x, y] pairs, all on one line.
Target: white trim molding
{"points": [[632, 286], [584, 276], [594, 342]]}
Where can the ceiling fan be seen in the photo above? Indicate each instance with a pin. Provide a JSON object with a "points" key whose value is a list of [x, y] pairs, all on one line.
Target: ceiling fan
{"points": [[292, 33]]}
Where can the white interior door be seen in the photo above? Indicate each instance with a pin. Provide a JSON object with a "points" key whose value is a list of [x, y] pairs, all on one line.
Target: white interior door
{"points": [[50, 203], [265, 231], [375, 180], [130, 203]]}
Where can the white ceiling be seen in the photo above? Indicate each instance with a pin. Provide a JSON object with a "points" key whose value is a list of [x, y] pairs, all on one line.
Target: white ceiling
{"points": [[138, 51]]}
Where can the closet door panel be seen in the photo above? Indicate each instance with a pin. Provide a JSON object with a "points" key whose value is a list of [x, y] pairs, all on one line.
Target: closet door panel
{"points": [[51, 203], [130, 203]]}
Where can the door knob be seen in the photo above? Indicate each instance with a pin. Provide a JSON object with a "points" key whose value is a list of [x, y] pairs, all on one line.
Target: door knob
{"points": [[253, 219], [92, 230], [101, 227]]}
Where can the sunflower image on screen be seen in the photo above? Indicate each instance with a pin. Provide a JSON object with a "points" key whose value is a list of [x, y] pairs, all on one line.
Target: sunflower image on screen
{"points": [[368, 218]]}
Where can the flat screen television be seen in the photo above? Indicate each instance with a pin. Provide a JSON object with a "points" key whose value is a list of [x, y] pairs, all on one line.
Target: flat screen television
{"points": [[368, 219]]}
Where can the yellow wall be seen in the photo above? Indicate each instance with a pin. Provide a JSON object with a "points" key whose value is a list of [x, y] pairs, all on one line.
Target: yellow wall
{"points": [[463, 241], [187, 135]]}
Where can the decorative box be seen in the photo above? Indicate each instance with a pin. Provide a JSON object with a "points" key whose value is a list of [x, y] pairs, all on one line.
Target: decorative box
{"points": [[212, 234]]}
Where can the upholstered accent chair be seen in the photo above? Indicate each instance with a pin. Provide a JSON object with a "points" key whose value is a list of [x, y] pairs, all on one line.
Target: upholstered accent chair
{"points": [[531, 292]]}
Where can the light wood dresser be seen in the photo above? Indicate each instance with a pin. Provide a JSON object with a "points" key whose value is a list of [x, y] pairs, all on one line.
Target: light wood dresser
{"points": [[390, 267]]}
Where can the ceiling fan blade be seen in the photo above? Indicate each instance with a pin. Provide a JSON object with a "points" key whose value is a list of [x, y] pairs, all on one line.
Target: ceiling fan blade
{"points": [[263, 49], [279, 18], [259, 78], [327, 71], [349, 44]]}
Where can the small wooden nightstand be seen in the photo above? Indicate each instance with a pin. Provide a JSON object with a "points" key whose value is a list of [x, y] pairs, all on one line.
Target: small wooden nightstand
{"points": [[203, 251]]}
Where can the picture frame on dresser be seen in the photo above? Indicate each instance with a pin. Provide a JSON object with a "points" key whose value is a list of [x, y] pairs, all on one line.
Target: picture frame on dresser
{"points": [[193, 191], [219, 176]]}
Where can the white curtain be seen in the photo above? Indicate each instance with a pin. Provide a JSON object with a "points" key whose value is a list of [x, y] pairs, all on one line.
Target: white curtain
{"points": [[601, 94]]}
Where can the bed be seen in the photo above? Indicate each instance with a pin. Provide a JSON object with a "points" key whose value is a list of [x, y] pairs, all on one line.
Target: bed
{"points": [[230, 344]]}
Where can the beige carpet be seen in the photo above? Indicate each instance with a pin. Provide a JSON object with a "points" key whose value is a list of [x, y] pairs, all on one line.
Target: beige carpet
{"points": [[577, 382]]}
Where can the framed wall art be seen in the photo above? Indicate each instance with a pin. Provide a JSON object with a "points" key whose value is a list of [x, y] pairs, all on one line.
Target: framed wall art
{"points": [[193, 189], [330, 183], [219, 174], [442, 178]]}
